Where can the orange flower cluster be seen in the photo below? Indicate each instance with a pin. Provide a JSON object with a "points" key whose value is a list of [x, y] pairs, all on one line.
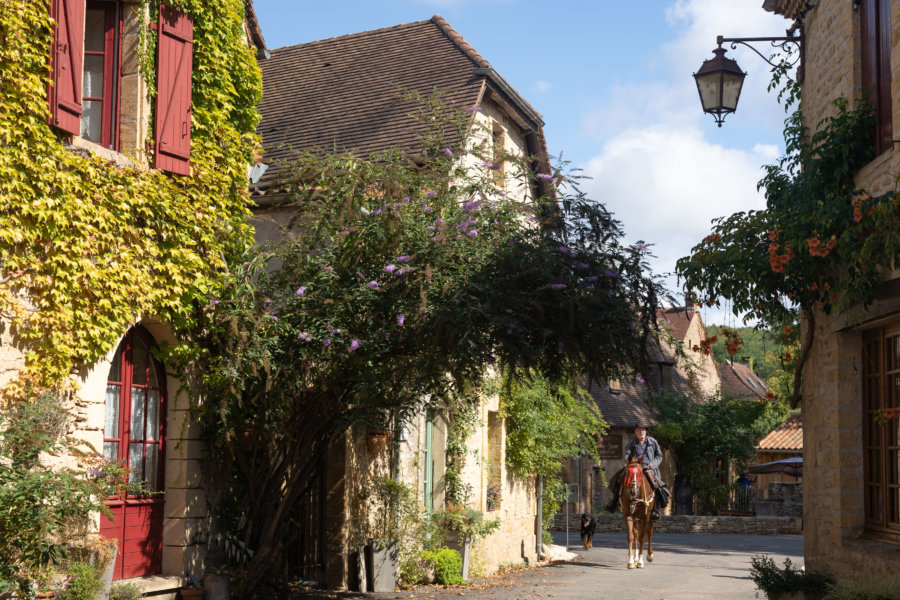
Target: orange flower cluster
{"points": [[816, 248], [733, 342], [715, 238], [705, 346], [857, 207], [778, 261]]}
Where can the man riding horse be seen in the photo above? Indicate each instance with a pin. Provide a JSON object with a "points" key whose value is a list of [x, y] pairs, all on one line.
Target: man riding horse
{"points": [[647, 450]]}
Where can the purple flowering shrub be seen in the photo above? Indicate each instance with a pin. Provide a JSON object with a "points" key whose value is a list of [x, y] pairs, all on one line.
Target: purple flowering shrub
{"points": [[441, 275]]}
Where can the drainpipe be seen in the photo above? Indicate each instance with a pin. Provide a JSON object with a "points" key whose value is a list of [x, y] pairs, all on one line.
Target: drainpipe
{"points": [[540, 516]]}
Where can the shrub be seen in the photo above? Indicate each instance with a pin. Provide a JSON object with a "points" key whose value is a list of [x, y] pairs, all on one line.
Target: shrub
{"points": [[124, 591], [447, 565], [773, 580], [85, 583]]}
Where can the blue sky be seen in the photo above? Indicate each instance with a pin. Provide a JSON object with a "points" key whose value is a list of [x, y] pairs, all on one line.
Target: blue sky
{"points": [[613, 82]]}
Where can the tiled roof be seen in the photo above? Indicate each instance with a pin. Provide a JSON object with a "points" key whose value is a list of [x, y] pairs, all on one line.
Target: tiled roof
{"points": [[625, 408], [741, 382], [343, 93], [787, 437], [677, 320], [253, 28], [788, 8]]}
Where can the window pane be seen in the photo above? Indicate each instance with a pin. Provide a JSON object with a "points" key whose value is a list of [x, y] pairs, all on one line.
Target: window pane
{"points": [[136, 462], [894, 349], [92, 120], [111, 427], [115, 370], [139, 359], [893, 516], [152, 371], [94, 30], [93, 76], [111, 451], [151, 462], [138, 402], [152, 414], [892, 468]]}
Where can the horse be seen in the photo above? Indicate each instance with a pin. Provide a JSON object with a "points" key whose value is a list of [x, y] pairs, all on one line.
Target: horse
{"points": [[636, 501]]}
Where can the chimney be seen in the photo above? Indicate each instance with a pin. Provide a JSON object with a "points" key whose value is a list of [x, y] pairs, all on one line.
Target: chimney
{"points": [[690, 302]]}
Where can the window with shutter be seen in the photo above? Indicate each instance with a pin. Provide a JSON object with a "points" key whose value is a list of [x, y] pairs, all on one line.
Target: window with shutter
{"points": [[66, 65], [101, 73], [875, 36], [173, 100]]}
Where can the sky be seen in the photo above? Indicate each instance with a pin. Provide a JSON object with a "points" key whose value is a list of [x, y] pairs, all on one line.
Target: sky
{"points": [[613, 83]]}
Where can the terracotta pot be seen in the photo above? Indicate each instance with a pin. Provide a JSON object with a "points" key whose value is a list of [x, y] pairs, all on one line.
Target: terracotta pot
{"points": [[376, 442], [192, 593]]}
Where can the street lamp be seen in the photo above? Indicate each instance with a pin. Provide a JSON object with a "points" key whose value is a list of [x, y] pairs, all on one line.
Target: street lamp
{"points": [[719, 79]]}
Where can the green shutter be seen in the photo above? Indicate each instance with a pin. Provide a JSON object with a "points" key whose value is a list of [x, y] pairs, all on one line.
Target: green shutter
{"points": [[429, 464]]}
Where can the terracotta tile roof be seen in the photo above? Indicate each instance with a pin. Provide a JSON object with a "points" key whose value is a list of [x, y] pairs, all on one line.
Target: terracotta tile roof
{"points": [[787, 437], [741, 382], [677, 320], [625, 408], [343, 93], [256, 36]]}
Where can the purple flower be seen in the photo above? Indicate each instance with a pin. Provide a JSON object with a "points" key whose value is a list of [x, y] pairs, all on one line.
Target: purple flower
{"points": [[473, 233], [377, 211], [508, 311], [448, 151], [510, 327], [439, 221], [404, 259], [333, 331], [559, 348], [558, 286], [400, 319], [372, 284], [611, 273], [344, 233], [304, 336], [431, 193], [501, 193], [326, 342], [354, 345], [640, 378], [233, 373], [404, 271], [473, 108], [215, 302], [580, 265], [389, 268], [640, 247], [327, 268], [430, 228], [95, 472], [301, 290], [405, 199], [512, 241], [591, 278], [565, 250], [428, 208], [544, 176]]}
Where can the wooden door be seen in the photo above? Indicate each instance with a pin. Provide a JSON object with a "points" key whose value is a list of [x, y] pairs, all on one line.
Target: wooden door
{"points": [[134, 436]]}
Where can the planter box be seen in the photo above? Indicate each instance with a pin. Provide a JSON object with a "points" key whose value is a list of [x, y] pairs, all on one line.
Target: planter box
{"points": [[216, 587], [381, 566], [463, 545], [192, 593]]}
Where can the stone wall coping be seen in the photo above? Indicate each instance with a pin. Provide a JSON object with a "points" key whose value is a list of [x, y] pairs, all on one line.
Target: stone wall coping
{"points": [[607, 523]]}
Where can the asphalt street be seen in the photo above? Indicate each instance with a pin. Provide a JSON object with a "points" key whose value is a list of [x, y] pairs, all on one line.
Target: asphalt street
{"points": [[685, 567]]}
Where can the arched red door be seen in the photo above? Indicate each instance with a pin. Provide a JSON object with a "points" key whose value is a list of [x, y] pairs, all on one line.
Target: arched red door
{"points": [[134, 436]]}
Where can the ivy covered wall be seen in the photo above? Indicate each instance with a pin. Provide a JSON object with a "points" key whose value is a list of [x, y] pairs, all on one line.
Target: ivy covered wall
{"points": [[88, 247]]}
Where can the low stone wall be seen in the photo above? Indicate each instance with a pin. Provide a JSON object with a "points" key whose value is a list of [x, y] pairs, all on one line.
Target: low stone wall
{"points": [[785, 500], [692, 524]]}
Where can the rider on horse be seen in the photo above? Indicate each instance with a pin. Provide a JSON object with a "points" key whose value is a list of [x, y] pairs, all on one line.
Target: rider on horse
{"points": [[647, 450]]}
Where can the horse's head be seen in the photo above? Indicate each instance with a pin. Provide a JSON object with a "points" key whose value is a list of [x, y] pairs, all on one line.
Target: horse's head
{"points": [[634, 475]]}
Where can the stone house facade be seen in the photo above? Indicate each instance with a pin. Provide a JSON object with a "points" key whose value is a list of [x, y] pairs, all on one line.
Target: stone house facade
{"points": [[852, 502], [320, 95], [127, 405]]}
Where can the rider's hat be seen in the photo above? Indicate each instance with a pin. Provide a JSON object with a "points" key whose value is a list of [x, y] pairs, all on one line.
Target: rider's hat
{"points": [[641, 425]]}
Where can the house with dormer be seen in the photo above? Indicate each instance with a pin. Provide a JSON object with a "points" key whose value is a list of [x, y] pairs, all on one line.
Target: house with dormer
{"points": [[343, 94]]}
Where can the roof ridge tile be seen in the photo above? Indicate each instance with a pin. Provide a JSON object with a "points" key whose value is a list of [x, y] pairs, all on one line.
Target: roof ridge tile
{"points": [[460, 41]]}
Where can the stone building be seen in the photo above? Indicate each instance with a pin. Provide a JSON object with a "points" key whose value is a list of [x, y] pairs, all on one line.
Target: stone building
{"points": [[852, 502], [127, 405], [623, 403], [342, 94]]}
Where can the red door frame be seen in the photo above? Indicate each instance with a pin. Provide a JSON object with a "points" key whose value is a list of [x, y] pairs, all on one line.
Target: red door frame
{"points": [[137, 518]]}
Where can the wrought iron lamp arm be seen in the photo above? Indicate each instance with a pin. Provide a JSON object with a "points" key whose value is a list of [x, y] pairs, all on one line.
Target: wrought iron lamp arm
{"points": [[782, 42]]}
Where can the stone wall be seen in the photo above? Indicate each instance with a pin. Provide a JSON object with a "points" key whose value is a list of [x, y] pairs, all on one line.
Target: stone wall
{"points": [[785, 500], [607, 523]]}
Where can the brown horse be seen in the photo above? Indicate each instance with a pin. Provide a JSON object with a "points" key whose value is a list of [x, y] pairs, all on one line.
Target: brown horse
{"points": [[636, 501]]}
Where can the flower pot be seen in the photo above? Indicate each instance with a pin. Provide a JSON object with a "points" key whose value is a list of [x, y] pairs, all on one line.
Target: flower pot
{"points": [[192, 593], [358, 559], [382, 561], [463, 545], [216, 586], [376, 442], [107, 576]]}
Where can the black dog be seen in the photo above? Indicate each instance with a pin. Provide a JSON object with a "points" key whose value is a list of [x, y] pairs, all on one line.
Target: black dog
{"points": [[588, 525]]}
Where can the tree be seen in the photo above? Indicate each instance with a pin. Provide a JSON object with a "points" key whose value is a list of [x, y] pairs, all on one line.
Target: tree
{"points": [[402, 277]]}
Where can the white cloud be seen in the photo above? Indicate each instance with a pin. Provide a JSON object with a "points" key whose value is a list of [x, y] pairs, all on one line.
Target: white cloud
{"points": [[656, 167], [542, 86]]}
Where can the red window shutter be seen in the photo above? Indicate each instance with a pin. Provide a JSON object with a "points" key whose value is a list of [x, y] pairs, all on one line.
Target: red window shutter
{"points": [[875, 38], [173, 92], [66, 64]]}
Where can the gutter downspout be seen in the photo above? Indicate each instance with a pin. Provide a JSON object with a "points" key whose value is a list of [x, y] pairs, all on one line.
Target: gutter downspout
{"points": [[540, 517]]}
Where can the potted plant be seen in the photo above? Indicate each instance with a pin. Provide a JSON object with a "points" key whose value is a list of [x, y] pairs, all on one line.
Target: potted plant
{"points": [[788, 582], [462, 527], [376, 441], [192, 593], [215, 583], [392, 509]]}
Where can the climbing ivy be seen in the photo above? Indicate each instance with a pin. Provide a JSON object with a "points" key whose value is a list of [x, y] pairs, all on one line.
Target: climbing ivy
{"points": [[87, 247]]}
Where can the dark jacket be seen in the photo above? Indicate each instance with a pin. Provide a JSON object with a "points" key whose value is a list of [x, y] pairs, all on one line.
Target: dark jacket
{"points": [[654, 454]]}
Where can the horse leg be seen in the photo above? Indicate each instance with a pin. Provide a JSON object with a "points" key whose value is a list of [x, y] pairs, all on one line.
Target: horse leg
{"points": [[642, 525], [650, 541], [629, 524]]}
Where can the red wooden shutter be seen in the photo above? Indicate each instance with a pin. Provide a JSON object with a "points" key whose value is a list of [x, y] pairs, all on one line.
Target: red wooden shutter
{"points": [[66, 64], [875, 35], [173, 89]]}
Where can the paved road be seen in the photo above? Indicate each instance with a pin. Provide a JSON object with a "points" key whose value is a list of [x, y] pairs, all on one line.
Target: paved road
{"points": [[686, 567]]}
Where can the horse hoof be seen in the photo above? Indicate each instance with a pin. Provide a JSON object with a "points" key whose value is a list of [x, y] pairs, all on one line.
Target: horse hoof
{"points": [[649, 558], [640, 565], [630, 565]]}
